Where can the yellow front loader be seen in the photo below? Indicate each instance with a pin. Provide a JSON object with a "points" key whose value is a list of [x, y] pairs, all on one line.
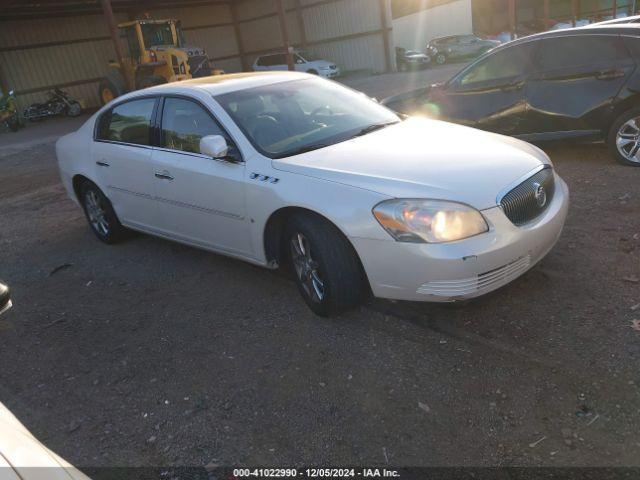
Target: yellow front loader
{"points": [[155, 53]]}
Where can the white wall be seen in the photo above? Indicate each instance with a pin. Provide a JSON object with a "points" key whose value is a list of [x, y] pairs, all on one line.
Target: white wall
{"points": [[414, 31]]}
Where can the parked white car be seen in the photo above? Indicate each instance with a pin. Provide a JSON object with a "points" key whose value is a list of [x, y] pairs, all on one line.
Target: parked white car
{"points": [[288, 169], [278, 62]]}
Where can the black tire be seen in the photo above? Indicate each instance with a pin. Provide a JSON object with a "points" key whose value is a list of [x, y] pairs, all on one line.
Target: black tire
{"points": [[151, 81], [13, 124], [616, 127], [441, 59], [334, 262], [312, 72], [114, 231], [73, 110], [111, 86]]}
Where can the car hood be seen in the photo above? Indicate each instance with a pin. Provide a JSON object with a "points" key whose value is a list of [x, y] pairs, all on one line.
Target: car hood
{"points": [[423, 158]]}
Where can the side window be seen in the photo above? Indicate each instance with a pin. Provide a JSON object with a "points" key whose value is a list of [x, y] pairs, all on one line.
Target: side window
{"points": [[128, 122], [130, 37], [279, 59], [567, 52], [503, 65], [184, 123], [269, 61]]}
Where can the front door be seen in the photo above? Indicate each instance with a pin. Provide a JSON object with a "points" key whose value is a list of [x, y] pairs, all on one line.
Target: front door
{"points": [[576, 82], [122, 155], [201, 200], [490, 94]]}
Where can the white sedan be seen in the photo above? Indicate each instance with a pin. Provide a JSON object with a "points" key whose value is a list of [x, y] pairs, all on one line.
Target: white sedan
{"points": [[288, 169]]}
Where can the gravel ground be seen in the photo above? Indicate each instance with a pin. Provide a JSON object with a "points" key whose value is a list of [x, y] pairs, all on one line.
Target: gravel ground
{"points": [[153, 353]]}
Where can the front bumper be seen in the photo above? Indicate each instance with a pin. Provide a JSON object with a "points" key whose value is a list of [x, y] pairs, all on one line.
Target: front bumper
{"points": [[468, 268], [330, 73]]}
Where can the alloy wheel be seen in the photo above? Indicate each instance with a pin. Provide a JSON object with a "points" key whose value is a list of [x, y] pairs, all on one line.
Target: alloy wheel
{"points": [[96, 213], [628, 140], [306, 268]]}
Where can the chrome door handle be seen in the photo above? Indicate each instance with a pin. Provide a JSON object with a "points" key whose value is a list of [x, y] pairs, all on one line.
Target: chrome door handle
{"points": [[164, 175], [102, 164], [610, 75]]}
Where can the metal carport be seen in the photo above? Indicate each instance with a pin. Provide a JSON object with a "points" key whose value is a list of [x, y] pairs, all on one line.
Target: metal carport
{"points": [[68, 43]]}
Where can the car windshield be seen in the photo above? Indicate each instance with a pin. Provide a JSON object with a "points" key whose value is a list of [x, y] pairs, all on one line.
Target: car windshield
{"points": [[293, 117], [156, 34]]}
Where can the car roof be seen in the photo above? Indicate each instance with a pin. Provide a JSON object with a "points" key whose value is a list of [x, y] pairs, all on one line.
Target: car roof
{"points": [[630, 29], [621, 20], [221, 84]]}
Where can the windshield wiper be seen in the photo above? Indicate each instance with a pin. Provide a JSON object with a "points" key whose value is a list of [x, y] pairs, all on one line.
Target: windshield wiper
{"points": [[305, 149], [373, 128]]}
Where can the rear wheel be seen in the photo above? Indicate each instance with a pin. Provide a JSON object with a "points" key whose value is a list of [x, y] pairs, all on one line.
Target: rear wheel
{"points": [[312, 72], [624, 138], [325, 266], [441, 59], [100, 214]]}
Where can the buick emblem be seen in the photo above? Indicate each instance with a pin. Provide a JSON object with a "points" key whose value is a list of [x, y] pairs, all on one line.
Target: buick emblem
{"points": [[541, 194]]}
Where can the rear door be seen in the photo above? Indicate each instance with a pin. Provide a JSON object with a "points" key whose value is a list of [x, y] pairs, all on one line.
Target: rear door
{"points": [[122, 157], [490, 93], [201, 200], [575, 85]]}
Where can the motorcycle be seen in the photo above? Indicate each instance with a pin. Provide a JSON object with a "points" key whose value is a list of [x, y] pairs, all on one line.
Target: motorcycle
{"points": [[9, 112], [59, 103]]}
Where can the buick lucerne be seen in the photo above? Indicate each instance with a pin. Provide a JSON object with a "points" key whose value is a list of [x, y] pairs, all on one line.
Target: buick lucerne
{"points": [[288, 169]]}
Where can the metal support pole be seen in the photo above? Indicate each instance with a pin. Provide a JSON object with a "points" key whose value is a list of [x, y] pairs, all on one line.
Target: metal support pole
{"points": [[238, 34], [546, 14], [512, 18], [285, 34], [574, 12], [615, 8], [113, 32], [300, 18], [4, 84], [385, 35]]}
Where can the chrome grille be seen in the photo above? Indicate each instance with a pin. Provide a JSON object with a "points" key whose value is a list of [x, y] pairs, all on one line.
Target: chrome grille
{"points": [[529, 199], [483, 283]]}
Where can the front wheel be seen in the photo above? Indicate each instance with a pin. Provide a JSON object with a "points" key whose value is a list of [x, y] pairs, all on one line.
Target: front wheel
{"points": [[441, 59], [624, 138], [325, 266], [73, 110], [100, 214]]}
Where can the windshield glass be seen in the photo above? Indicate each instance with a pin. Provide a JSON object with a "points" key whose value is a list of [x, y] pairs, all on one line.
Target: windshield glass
{"points": [[293, 117], [156, 34]]}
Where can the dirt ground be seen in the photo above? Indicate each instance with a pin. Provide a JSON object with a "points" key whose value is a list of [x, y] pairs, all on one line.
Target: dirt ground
{"points": [[153, 353]]}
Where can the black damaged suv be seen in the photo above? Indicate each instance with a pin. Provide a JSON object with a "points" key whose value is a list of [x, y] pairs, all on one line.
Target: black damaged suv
{"points": [[581, 83]]}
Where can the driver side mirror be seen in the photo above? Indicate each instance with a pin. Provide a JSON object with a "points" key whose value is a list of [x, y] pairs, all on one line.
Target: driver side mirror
{"points": [[5, 298], [214, 146]]}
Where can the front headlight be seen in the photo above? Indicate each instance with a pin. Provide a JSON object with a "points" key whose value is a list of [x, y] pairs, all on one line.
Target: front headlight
{"points": [[430, 221]]}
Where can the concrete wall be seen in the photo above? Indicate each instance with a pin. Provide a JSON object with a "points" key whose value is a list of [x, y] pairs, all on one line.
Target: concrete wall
{"points": [[416, 30]]}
